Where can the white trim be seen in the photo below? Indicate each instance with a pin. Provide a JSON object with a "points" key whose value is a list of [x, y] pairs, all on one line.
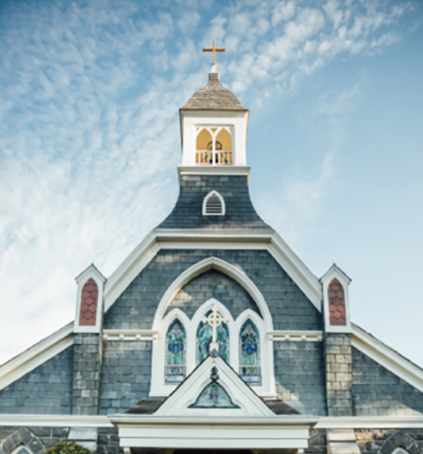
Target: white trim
{"points": [[198, 432], [336, 273], [370, 422], [19, 448], [249, 404], [194, 239], [295, 336], [55, 420], [90, 273], [387, 357], [222, 201], [36, 355], [130, 334], [214, 170]]}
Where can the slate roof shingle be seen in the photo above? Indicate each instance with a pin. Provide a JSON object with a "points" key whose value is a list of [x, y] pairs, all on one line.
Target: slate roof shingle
{"points": [[214, 97]]}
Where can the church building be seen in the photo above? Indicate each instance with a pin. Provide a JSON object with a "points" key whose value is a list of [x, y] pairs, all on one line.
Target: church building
{"points": [[212, 335]]}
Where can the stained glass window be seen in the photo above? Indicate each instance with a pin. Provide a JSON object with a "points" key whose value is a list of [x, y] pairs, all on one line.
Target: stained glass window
{"points": [[214, 396], [175, 353], [249, 353], [204, 339]]}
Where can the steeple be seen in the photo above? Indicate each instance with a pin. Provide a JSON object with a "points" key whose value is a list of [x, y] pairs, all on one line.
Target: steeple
{"points": [[214, 127]]}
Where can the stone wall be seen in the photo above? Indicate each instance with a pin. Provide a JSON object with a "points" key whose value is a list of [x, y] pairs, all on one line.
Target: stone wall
{"points": [[377, 391], [37, 439], [213, 284], [45, 390], [299, 376], [136, 307], [125, 375], [385, 441]]}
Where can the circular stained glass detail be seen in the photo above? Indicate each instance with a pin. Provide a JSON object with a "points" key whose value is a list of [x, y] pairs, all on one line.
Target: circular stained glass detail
{"points": [[176, 346], [250, 347]]}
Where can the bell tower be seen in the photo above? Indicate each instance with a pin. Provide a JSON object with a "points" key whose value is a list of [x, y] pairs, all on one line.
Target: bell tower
{"points": [[214, 125]]}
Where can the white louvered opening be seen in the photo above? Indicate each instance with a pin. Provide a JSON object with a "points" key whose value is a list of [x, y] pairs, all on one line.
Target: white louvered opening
{"points": [[213, 205]]}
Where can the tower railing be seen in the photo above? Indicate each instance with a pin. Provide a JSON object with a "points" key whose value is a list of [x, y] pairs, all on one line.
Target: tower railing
{"points": [[214, 158]]}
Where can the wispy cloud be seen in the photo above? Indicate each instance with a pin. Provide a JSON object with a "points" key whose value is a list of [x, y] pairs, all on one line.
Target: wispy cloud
{"points": [[89, 133]]}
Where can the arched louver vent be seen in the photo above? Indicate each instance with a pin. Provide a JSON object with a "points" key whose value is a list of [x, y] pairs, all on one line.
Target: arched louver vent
{"points": [[213, 205]]}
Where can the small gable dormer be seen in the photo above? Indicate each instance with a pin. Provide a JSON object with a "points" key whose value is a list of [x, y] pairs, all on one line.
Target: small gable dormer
{"points": [[214, 127]]}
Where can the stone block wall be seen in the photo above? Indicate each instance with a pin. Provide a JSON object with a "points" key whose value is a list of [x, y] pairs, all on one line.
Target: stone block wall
{"points": [[377, 391], [213, 284], [86, 370], [338, 365], [136, 307], [385, 441], [45, 390], [125, 373], [299, 376], [317, 442], [37, 439], [108, 441]]}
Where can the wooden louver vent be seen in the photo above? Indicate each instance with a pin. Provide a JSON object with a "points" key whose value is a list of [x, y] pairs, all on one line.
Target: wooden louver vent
{"points": [[214, 205]]}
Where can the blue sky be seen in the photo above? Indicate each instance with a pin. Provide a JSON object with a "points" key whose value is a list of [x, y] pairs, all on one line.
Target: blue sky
{"points": [[89, 142]]}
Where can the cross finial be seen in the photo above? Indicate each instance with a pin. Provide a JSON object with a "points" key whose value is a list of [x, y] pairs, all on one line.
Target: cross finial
{"points": [[215, 319], [214, 49]]}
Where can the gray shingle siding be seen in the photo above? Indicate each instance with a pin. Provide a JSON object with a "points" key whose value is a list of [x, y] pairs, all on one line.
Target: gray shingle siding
{"points": [[377, 391], [188, 211], [136, 307], [299, 376], [45, 390], [213, 284], [125, 375]]}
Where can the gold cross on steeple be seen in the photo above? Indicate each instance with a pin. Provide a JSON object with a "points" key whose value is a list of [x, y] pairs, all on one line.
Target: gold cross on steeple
{"points": [[214, 49]]}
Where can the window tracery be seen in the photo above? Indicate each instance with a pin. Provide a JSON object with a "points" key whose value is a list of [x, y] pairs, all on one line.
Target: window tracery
{"points": [[204, 339]]}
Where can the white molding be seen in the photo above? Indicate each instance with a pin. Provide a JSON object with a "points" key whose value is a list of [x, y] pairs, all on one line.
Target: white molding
{"points": [[214, 193], [90, 273], [130, 334], [19, 448], [335, 272], [177, 404], [370, 422], [295, 336], [158, 386], [54, 420], [276, 432], [36, 355], [195, 239], [386, 357]]}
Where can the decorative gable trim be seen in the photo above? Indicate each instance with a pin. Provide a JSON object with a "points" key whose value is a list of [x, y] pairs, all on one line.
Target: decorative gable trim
{"points": [[194, 239], [36, 356], [180, 402], [387, 357]]}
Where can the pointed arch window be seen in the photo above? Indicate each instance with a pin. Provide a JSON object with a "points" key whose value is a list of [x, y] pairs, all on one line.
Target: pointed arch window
{"points": [[214, 145], [204, 339], [249, 353], [214, 204], [175, 360]]}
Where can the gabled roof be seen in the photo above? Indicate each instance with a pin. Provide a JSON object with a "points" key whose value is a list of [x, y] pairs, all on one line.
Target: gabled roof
{"points": [[181, 400], [214, 97]]}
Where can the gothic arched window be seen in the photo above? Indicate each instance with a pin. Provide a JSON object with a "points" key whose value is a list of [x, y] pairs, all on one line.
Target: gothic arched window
{"points": [[249, 353], [204, 339], [175, 361]]}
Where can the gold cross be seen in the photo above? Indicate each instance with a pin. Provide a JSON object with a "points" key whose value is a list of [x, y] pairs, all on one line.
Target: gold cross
{"points": [[215, 319], [214, 49]]}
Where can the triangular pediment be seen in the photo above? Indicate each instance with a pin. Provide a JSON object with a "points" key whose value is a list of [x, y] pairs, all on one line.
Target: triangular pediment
{"points": [[214, 389]]}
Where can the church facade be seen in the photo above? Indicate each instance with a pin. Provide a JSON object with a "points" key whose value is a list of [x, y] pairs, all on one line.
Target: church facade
{"points": [[212, 335]]}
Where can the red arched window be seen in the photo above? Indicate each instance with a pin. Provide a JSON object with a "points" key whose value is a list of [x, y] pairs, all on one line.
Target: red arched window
{"points": [[88, 310], [336, 298]]}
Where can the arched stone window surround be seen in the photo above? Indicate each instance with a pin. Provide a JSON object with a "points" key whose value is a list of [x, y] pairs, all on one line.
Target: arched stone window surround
{"points": [[159, 388], [22, 449], [20, 440], [222, 201], [400, 443]]}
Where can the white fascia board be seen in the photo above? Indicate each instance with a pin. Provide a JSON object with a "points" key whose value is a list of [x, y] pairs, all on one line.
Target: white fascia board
{"points": [[387, 357], [370, 422], [36, 355], [295, 336], [55, 421], [212, 239]]}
